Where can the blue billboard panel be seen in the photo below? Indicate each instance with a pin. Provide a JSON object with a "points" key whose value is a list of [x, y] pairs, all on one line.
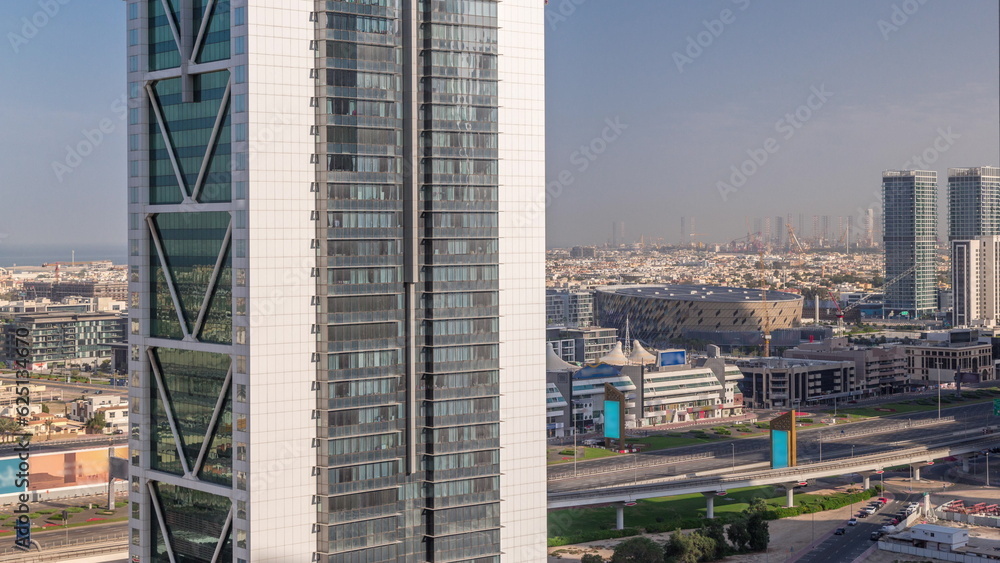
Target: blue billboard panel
{"points": [[612, 420], [672, 358], [779, 449], [8, 476]]}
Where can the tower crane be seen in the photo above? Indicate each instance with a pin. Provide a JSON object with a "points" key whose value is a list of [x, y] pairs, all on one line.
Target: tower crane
{"points": [[794, 239]]}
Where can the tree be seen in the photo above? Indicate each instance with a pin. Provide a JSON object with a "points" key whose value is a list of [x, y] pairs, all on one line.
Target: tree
{"points": [[679, 547], [106, 366], [96, 424], [591, 558], [716, 531], [757, 525], [705, 548], [45, 407], [638, 550], [8, 426], [738, 534]]}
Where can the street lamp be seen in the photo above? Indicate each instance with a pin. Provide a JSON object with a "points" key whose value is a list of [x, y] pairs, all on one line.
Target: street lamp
{"points": [[852, 451]]}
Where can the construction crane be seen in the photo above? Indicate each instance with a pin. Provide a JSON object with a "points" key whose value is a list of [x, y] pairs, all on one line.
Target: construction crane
{"points": [[793, 238], [882, 289], [767, 315], [841, 313]]}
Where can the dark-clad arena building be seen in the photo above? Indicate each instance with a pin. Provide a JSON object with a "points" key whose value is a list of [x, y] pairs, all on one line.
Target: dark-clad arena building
{"points": [[660, 314]]}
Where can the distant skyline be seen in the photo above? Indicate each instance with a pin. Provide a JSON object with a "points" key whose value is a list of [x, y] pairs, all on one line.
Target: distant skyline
{"points": [[652, 105]]}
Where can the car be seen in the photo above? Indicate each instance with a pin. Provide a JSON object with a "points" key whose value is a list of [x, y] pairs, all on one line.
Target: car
{"points": [[883, 500], [868, 510], [875, 535], [885, 529], [852, 522], [894, 521], [118, 431], [862, 514], [840, 531]]}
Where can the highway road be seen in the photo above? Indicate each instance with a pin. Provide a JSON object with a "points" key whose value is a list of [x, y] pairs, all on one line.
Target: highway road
{"points": [[880, 435], [838, 549]]}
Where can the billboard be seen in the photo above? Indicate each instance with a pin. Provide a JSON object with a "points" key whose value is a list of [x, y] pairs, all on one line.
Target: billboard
{"points": [[672, 358], [60, 469], [784, 452], [779, 449], [612, 419]]}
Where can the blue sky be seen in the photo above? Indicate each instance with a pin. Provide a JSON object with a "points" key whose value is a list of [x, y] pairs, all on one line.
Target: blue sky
{"points": [[686, 113]]}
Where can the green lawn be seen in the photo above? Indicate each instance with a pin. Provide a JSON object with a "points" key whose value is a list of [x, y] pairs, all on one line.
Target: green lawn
{"points": [[556, 456], [668, 513], [914, 405], [663, 442]]}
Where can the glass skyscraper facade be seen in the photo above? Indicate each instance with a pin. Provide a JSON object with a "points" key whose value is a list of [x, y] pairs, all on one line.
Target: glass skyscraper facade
{"points": [[909, 211], [336, 275], [973, 202]]}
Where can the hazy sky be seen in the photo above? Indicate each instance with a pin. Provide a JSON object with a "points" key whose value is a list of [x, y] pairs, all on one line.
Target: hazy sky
{"points": [[668, 95]]}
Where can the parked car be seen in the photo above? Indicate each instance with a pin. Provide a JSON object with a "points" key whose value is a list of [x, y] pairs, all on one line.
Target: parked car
{"points": [[883, 500], [885, 529], [840, 531], [875, 535], [862, 514], [894, 521], [852, 522]]}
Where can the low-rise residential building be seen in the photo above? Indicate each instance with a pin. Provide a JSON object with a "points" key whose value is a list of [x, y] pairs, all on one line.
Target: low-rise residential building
{"points": [[570, 308], [114, 408], [781, 383], [587, 343], [881, 370], [63, 338]]}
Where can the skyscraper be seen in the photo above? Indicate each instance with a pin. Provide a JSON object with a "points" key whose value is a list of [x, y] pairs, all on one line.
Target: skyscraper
{"points": [[975, 275], [909, 204], [973, 202], [336, 280]]}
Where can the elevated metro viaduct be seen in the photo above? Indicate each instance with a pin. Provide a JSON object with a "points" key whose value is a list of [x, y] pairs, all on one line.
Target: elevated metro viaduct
{"points": [[751, 475]]}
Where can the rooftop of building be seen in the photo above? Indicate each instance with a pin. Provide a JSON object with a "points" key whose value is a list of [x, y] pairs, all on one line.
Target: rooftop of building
{"points": [[708, 293]]}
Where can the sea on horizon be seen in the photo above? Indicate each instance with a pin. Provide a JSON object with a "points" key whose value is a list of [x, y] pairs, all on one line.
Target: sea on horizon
{"points": [[43, 254]]}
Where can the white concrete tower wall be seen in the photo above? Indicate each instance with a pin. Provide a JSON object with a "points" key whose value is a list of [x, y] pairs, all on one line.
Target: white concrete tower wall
{"points": [[522, 271], [280, 343]]}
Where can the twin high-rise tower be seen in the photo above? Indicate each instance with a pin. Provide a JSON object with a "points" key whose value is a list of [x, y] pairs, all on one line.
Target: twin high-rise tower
{"points": [[910, 236], [336, 280]]}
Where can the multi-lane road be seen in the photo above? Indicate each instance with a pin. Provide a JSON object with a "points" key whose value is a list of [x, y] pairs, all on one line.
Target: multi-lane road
{"points": [[861, 438]]}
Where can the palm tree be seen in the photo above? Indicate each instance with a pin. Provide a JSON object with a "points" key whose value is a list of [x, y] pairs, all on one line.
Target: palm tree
{"points": [[96, 424], [8, 426]]}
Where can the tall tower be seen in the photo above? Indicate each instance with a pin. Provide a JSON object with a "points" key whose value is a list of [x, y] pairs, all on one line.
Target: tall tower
{"points": [[973, 202], [336, 312], [976, 281], [618, 233], [909, 204], [870, 227]]}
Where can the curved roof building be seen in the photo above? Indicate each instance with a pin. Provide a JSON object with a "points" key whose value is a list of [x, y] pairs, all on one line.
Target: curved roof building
{"points": [[658, 314]]}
